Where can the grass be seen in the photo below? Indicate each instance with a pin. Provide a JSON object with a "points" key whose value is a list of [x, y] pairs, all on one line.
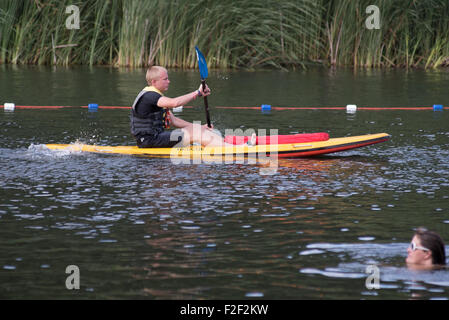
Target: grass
{"points": [[247, 34]]}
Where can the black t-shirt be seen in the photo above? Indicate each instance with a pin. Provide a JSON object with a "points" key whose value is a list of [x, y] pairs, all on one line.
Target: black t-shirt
{"points": [[148, 104]]}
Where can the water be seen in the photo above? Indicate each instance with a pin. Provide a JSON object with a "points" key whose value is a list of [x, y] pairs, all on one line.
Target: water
{"points": [[144, 228]]}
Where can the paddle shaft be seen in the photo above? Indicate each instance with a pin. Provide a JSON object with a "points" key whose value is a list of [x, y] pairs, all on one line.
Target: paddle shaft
{"points": [[206, 105]]}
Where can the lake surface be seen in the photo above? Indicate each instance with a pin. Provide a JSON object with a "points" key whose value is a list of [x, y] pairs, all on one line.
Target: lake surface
{"points": [[142, 228]]}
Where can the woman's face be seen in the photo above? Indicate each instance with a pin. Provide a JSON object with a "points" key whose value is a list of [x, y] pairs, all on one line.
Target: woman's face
{"points": [[417, 254]]}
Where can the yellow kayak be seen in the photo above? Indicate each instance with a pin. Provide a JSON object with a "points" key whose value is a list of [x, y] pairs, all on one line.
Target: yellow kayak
{"points": [[292, 150]]}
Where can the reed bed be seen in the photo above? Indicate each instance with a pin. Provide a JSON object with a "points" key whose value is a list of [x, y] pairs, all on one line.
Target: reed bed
{"points": [[284, 34]]}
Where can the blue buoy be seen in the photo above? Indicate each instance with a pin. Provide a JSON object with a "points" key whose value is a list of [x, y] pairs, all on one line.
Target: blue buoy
{"points": [[266, 107], [437, 107], [93, 107]]}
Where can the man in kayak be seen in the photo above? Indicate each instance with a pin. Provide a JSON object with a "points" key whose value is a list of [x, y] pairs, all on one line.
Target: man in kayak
{"points": [[151, 114]]}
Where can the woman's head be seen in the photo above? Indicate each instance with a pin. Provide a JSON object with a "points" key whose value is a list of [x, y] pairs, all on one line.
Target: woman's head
{"points": [[426, 249]]}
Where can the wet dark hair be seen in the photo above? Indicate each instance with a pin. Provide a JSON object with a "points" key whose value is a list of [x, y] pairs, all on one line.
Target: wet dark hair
{"points": [[432, 241]]}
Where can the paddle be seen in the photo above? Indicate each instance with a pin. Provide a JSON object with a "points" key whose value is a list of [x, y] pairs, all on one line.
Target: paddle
{"points": [[202, 65]]}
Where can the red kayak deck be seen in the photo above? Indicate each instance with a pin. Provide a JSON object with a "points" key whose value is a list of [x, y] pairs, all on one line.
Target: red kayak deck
{"points": [[280, 139]]}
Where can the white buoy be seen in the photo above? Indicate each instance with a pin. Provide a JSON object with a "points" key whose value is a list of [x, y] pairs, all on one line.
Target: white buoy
{"points": [[177, 109], [351, 108], [9, 106]]}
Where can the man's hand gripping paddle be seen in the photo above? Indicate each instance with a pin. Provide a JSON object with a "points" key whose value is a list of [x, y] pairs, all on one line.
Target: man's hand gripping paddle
{"points": [[202, 65]]}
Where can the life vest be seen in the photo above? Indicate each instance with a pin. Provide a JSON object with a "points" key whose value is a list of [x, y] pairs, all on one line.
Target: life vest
{"points": [[152, 124]]}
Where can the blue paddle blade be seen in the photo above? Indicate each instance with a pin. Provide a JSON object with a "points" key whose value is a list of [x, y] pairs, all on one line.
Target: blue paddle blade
{"points": [[202, 64]]}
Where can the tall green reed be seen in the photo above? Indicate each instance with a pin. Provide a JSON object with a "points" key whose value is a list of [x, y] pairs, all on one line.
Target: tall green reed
{"points": [[285, 34]]}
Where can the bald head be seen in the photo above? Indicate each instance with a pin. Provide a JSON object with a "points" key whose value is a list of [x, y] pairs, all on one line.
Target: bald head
{"points": [[154, 73]]}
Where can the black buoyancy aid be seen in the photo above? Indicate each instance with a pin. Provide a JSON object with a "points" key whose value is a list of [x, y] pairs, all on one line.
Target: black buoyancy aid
{"points": [[152, 124]]}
